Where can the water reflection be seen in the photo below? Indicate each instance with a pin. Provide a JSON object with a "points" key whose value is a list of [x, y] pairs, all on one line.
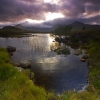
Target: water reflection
{"points": [[52, 68]]}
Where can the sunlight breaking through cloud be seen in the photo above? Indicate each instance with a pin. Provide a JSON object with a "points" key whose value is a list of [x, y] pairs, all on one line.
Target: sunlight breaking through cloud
{"points": [[51, 16]]}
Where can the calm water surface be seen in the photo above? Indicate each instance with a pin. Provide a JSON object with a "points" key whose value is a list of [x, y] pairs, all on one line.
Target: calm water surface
{"points": [[55, 66]]}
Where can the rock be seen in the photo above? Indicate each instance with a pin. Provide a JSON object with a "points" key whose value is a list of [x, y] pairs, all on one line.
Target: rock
{"points": [[74, 90], [58, 39], [11, 49], [25, 64], [83, 60], [32, 35], [77, 52], [18, 50], [11, 53], [80, 42], [19, 69], [86, 56]]}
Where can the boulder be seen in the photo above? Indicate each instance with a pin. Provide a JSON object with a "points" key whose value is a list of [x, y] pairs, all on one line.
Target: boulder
{"points": [[10, 53], [11, 49], [25, 64], [19, 69], [77, 52], [86, 56], [58, 39], [83, 60]]}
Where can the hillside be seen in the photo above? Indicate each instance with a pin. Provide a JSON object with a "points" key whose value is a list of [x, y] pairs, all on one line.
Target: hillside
{"points": [[11, 30], [43, 29], [37, 29], [20, 26], [76, 27]]}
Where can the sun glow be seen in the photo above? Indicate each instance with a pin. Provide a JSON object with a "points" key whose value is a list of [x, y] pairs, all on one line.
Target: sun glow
{"points": [[48, 16], [51, 1], [34, 21], [51, 16], [47, 1], [51, 40]]}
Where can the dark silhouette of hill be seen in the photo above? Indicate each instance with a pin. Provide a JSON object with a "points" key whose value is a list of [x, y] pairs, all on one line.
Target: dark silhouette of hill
{"points": [[11, 30], [78, 26], [39, 29]]}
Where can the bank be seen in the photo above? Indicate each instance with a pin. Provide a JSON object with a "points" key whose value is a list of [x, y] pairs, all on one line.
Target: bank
{"points": [[16, 85]]}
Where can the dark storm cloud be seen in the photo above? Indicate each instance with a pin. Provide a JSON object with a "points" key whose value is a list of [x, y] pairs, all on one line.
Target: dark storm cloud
{"points": [[76, 8], [18, 10], [15, 10], [12, 10], [72, 8]]}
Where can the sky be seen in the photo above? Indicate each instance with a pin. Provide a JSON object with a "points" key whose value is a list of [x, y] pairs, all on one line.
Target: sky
{"points": [[48, 13]]}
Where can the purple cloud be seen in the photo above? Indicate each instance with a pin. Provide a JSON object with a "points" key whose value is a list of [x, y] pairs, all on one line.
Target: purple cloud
{"points": [[15, 11]]}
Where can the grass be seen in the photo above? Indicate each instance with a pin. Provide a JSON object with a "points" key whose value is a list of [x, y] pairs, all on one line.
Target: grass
{"points": [[16, 85]]}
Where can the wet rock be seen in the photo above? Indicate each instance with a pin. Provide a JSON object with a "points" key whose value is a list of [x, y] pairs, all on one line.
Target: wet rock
{"points": [[77, 52], [83, 60], [11, 49], [25, 64], [58, 39], [19, 69], [80, 42], [10, 53], [86, 56], [32, 35], [74, 90]]}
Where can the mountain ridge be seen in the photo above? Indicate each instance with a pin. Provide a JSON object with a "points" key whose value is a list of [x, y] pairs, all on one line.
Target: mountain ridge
{"points": [[76, 26]]}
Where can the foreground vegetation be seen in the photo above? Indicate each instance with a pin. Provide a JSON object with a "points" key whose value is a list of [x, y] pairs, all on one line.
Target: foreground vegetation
{"points": [[16, 85]]}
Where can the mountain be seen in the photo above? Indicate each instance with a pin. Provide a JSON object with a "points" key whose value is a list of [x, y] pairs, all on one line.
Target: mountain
{"points": [[77, 23], [74, 27], [37, 29], [20, 26], [78, 26], [11, 30]]}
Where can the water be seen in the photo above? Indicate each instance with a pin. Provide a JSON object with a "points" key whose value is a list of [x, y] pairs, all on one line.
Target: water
{"points": [[55, 66]]}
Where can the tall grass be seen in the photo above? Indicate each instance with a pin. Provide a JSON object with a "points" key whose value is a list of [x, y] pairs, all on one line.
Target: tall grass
{"points": [[16, 85]]}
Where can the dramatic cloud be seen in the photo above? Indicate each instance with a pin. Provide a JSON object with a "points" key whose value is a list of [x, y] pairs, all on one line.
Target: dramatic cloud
{"points": [[20, 11]]}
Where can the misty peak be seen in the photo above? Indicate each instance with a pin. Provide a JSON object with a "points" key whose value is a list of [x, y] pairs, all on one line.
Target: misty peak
{"points": [[77, 23], [20, 26]]}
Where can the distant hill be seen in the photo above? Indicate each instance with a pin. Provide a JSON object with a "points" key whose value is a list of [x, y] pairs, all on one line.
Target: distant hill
{"points": [[11, 30], [76, 27], [60, 29], [20, 27], [38, 29]]}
